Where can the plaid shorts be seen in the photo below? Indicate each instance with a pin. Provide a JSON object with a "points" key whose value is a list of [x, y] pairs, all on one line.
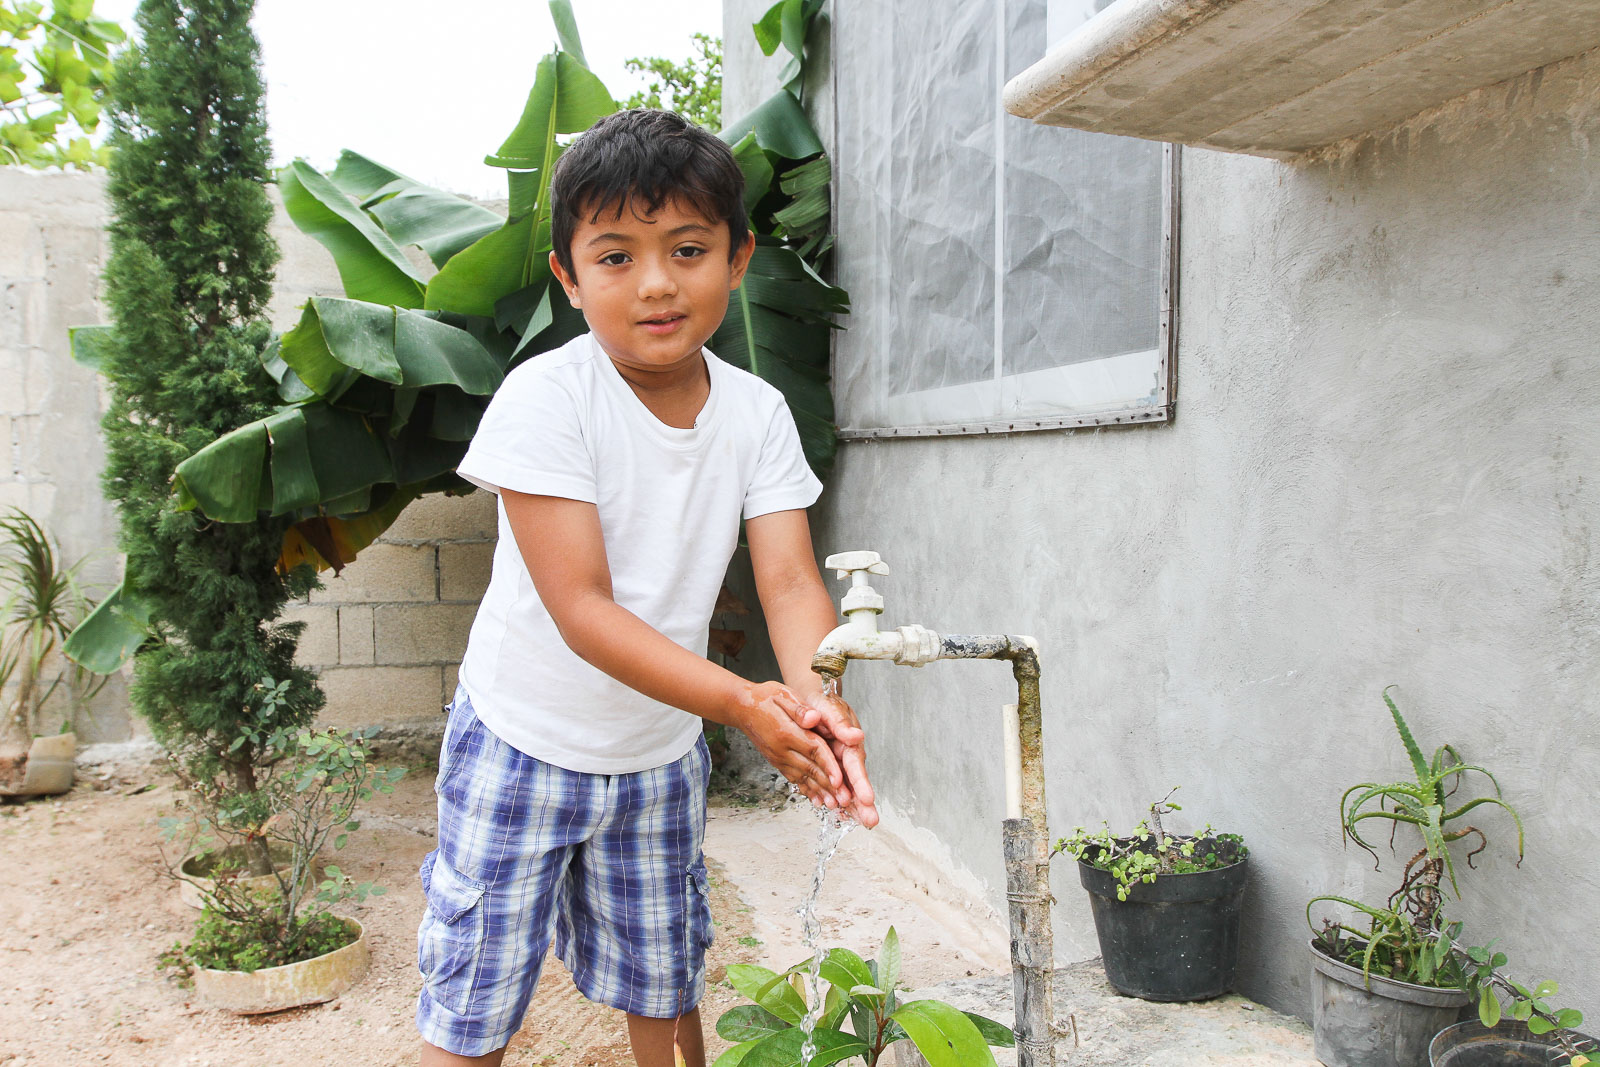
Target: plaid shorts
{"points": [[610, 863]]}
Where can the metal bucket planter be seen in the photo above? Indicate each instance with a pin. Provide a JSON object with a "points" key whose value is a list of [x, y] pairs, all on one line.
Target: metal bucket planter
{"points": [[312, 981], [49, 767], [195, 887], [1388, 1025], [1510, 1044], [1176, 938]]}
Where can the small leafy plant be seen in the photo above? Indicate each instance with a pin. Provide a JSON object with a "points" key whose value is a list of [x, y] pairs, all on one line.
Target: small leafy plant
{"points": [[310, 783], [1150, 851], [861, 993], [1483, 980]]}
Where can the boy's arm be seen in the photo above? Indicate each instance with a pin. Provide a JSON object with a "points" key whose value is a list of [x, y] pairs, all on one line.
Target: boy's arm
{"points": [[563, 548], [799, 615]]}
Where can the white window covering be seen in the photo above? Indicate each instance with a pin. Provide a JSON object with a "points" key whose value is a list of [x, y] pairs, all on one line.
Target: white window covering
{"points": [[940, 193]]}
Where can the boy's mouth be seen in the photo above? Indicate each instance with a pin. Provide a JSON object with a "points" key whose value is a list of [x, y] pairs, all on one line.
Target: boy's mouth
{"points": [[665, 322]]}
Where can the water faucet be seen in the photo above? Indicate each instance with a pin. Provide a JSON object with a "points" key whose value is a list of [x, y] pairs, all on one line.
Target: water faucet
{"points": [[860, 638]]}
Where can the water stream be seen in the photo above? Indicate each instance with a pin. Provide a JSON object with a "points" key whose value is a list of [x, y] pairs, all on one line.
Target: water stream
{"points": [[835, 825]]}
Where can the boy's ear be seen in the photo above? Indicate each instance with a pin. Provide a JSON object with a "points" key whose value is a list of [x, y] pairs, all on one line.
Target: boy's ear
{"points": [[741, 260], [567, 281]]}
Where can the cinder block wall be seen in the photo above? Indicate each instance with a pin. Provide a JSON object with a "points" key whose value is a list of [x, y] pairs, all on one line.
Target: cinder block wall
{"points": [[386, 635], [388, 632]]}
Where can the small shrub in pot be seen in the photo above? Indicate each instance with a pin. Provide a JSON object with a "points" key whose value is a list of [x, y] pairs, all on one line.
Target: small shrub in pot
{"points": [[1166, 906]]}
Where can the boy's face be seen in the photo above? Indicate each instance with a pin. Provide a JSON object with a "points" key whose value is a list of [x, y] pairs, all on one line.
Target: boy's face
{"points": [[653, 289]]}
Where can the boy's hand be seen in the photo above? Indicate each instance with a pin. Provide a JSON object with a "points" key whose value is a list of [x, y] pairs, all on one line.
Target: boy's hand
{"points": [[835, 720], [770, 714]]}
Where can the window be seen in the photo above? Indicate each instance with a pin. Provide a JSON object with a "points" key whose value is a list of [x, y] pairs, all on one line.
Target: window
{"points": [[941, 194]]}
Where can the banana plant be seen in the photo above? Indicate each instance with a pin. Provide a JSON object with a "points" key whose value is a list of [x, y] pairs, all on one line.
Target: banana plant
{"points": [[383, 388], [1426, 803]]}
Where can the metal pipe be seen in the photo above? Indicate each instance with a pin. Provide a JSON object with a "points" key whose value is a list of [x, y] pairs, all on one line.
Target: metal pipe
{"points": [[1025, 839]]}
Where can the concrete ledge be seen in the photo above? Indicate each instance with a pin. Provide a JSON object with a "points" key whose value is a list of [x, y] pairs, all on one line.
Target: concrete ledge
{"points": [[1279, 78]]}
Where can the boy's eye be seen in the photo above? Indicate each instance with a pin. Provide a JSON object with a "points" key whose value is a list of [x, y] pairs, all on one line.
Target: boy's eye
{"points": [[689, 251], [615, 259]]}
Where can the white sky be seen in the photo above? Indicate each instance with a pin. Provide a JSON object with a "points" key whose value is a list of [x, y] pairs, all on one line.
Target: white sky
{"points": [[430, 88]]}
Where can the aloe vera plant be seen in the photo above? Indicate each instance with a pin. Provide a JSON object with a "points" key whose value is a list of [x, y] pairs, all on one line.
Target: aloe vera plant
{"points": [[1401, 939], [1426, 804]]}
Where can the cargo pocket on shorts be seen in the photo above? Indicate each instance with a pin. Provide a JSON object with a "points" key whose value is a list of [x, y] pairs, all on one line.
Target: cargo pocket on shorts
{"points": [[450, 942], [700, 933]]}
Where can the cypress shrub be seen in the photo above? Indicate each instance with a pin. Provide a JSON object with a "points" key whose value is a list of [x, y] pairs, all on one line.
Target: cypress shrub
{"points": [[187, 282]]}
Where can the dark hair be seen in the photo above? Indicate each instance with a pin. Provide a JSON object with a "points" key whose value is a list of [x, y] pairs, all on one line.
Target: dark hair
{"points": [[638, 160]]}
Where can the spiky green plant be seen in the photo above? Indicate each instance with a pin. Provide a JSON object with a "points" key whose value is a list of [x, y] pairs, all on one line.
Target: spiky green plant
{"points": [[41, 604], [1426, 804]]}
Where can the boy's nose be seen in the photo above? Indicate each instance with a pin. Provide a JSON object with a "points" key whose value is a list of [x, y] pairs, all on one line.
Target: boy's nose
{"points": [[656, 281]]}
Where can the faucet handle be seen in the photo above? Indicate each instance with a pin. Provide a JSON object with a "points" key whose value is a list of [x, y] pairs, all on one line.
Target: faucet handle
{"points": [[845, 563]]}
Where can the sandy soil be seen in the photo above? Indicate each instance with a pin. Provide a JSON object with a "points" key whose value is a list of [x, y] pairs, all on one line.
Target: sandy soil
{"points": [[86, 907]]}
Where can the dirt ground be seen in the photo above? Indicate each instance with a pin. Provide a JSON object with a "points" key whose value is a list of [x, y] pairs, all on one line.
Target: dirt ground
{"points": [[86, 907]]}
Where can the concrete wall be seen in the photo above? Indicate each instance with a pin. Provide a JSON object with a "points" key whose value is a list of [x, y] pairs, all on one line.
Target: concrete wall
{"points": [[386, 634], [1381, 472]]}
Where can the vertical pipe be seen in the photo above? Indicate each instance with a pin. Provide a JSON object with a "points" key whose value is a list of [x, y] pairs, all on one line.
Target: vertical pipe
{"points": [[1027, 854]]}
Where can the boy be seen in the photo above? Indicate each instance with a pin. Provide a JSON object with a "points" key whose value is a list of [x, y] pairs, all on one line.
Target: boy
{"points": [[572, 775]]}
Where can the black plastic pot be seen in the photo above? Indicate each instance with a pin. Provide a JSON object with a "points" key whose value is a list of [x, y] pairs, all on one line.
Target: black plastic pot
{"points": [[1176, 938], [1510, 1044]]}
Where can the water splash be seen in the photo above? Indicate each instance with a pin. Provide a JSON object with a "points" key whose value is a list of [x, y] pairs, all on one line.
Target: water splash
{"points": [[835, 825]]}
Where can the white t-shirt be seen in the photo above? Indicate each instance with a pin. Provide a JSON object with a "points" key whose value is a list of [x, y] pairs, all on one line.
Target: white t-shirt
{"points": [[566, 424]]}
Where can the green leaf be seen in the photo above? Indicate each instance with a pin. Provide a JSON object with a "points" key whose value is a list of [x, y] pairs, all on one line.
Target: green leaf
{"points": [[339, 340], [111, 633], [1488, 1008], [411, 213], [91, 346], [566, 98], [224, 478], [1567, 1018], [780, 126], [994, 1033], [735, 1055], [783, 1049], [756, 168], [370, 264], [769, 29], [492, 268], [748, 1022], [1540, 1025], [567, 29], [844, 969], [889, 960], [944, 1036], [767, 989], [1546, 988]]}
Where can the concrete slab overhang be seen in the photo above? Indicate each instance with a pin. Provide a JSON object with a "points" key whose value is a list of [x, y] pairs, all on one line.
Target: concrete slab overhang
{"points": [[1282, 77]]}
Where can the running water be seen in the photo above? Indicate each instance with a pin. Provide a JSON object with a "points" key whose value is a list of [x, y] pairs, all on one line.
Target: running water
{"points": [[835, 825]]}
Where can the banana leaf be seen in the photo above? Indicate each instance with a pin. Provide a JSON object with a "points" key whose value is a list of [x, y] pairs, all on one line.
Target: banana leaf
{"points": [[780, 125], [439, 223], [111, 633], [370, 264]]}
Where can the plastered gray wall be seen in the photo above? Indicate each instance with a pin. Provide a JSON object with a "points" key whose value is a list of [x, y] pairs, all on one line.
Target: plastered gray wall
{"points": [[1382, 471]]}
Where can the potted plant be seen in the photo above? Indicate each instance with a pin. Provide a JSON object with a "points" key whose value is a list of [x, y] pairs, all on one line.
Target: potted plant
{"points": [[1166, 907], [40, 603], [864, 994], [1383, 991], [269, 941]]}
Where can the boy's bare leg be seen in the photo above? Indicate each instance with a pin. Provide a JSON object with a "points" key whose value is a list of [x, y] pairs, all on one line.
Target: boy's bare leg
{"points": [[434, 1056], [652, 1040]]}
